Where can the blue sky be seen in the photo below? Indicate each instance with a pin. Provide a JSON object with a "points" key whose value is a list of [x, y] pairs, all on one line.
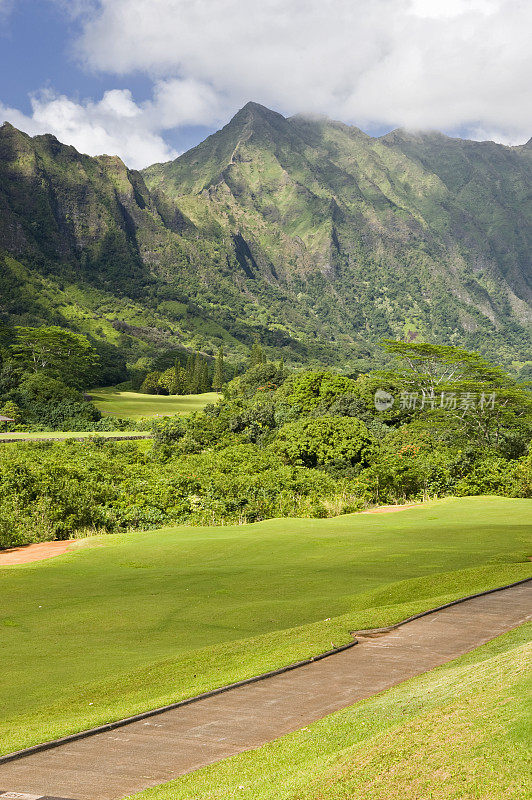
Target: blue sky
{"points": [[37, 51], [147, 79]]}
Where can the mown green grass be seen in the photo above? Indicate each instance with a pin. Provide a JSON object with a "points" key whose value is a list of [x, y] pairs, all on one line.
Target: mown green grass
{"points": [[134, 404], [459, 731], [59, 435], [133, 621]]}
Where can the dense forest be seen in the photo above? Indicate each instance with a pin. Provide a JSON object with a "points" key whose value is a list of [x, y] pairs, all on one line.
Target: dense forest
{"points": [[280, 443]]}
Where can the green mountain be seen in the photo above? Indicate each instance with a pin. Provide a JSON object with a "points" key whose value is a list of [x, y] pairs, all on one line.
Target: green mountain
{"points": [[305, 233], [399, 235]]}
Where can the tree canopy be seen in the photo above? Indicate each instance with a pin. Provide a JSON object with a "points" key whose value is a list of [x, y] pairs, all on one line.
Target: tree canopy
{"points": [[451, 387], [57, 352]]}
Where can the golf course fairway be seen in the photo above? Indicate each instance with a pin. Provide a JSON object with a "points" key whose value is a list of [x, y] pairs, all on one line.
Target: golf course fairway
{"points": [[128, 622], [133, 405]]}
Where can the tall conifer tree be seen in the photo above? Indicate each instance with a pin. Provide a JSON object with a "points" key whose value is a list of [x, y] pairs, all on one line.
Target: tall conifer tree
{"points": [[256, 356], [197, 374], [218, 378], [189, 373]]}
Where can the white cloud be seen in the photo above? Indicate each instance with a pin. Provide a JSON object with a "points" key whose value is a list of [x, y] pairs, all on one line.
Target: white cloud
{"points": [[184, 102], [115, 125], [455, 65], [451, 8], [452, 64]]}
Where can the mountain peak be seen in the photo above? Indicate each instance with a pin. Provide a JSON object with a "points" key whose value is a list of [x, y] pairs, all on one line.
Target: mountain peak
{"points": [[7, 129], [257, 108], [255, 112]]}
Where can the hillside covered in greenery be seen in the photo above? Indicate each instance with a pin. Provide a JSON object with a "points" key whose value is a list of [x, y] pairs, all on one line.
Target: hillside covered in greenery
{"points": [[305, 234], [284, 444]]}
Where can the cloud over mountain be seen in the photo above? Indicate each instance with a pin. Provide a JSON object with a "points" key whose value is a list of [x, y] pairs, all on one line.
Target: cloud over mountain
{"points": [[462, 66], [453, 64]]}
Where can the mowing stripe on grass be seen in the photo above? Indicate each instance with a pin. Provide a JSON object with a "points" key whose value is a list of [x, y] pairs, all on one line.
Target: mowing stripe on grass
{"points": [[147, 754], [39, 748]]}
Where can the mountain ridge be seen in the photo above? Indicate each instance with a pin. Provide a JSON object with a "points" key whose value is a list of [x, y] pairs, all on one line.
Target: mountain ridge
{"points": [[174, 175], [304, 232]]}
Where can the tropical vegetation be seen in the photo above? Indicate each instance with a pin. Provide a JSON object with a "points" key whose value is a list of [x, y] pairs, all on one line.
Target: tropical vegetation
{"points": [[286, 444]]}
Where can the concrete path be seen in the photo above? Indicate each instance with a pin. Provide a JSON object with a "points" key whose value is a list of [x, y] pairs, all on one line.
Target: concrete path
{"points": [[113, 764]]}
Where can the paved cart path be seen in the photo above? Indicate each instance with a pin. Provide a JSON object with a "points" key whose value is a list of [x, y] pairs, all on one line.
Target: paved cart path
{"points": [[145, 753]]}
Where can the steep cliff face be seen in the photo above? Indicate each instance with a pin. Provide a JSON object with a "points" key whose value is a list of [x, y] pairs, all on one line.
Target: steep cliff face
{"points": [[71, 214], [489, 200], [421, 232], [81, 237], [307, 233]]}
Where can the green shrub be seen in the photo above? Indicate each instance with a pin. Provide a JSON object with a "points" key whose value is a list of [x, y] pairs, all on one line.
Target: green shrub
{"points": [[41, 388], [319, 442], [308, 390], [494, 475], [264, 377]]}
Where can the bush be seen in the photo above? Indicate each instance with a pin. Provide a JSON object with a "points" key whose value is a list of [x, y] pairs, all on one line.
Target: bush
{"points": [[11, 410], [319, 442], [492, 475], [41, 388], [260, 378], [152, 384], [66, 415], [308, 390]]}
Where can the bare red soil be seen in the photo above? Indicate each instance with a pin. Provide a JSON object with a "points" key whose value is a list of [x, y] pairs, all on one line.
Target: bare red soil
{"points": [[33, 552], [386, 509]]}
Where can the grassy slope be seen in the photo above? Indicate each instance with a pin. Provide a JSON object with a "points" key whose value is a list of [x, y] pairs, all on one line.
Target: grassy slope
{"points": [[35, 437], [134, 404], [459, 731], [123, 623], [32, 298]]}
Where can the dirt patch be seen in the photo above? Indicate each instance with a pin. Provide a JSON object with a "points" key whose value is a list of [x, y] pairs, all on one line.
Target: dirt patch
{"points": [[386, 509], [33, 552]]}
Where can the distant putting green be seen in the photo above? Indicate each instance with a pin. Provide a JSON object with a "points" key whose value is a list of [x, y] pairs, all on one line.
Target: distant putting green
{"points": [[132, 621], [132, 405]]}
